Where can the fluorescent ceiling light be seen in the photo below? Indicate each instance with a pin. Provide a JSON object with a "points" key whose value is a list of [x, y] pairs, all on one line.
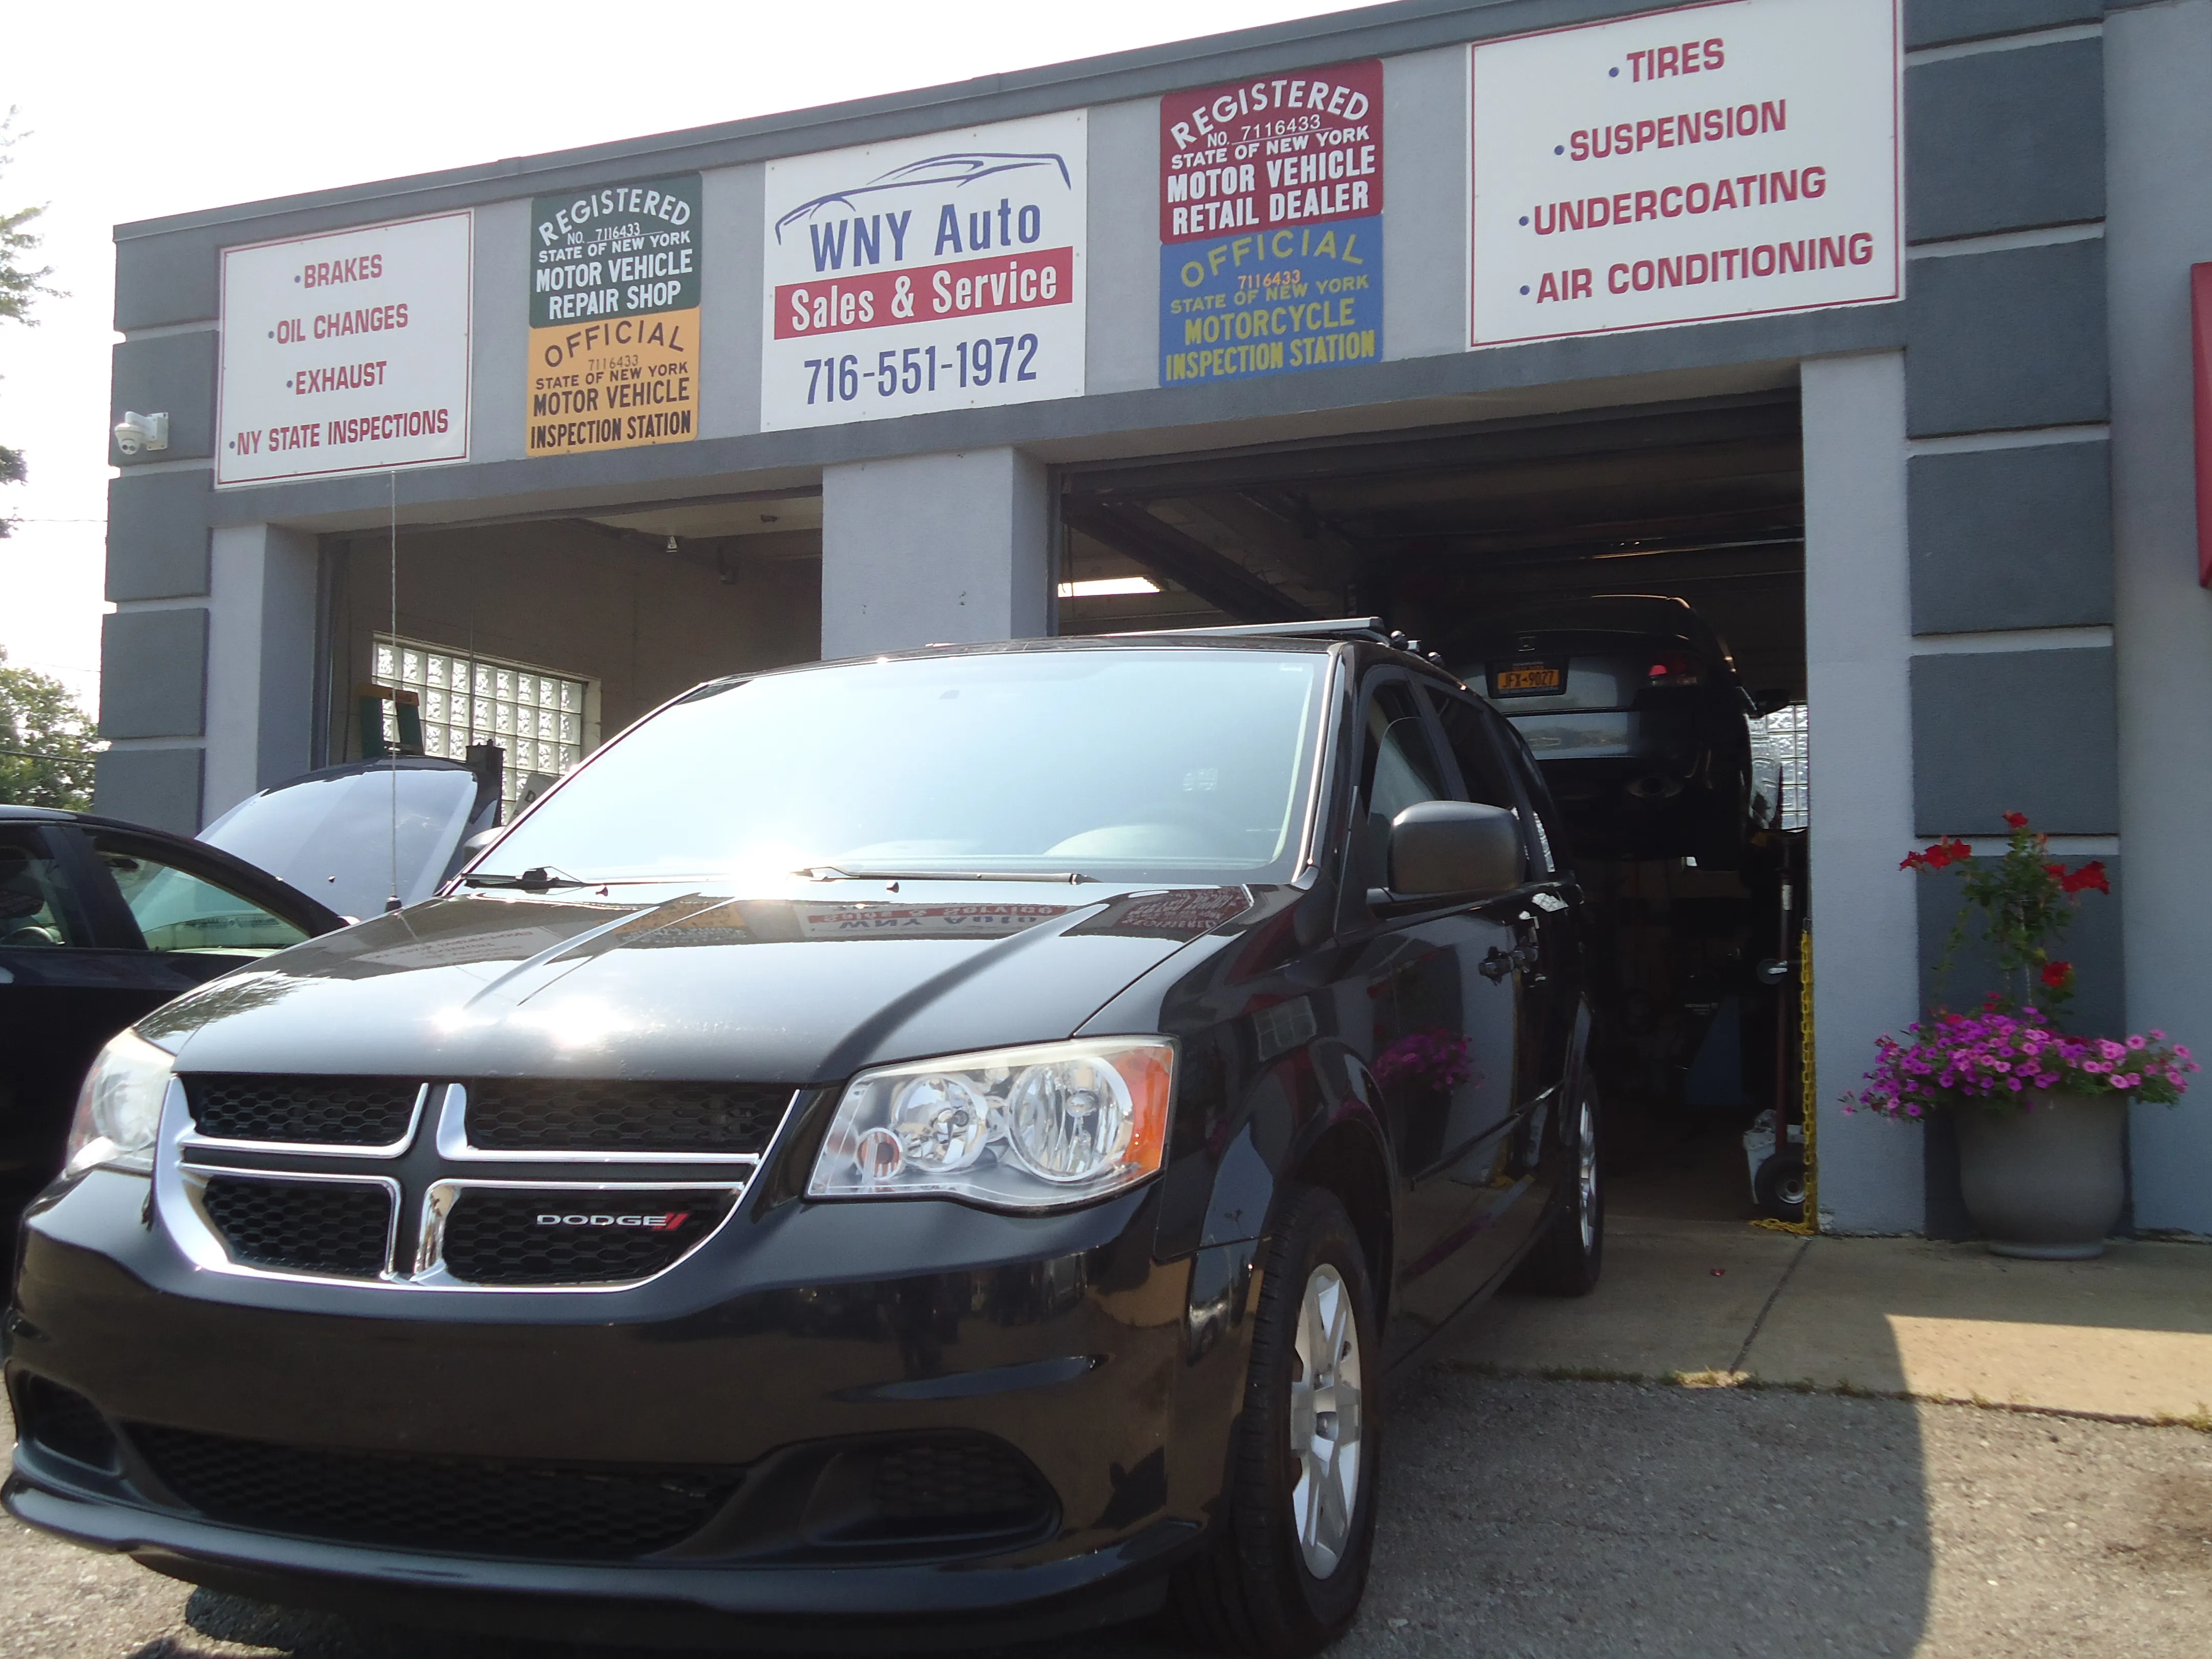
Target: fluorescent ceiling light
{"points": [[1106, 586]]}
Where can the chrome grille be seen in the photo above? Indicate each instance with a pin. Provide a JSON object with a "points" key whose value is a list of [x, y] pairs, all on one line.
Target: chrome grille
{"points": [[398, 1183], [336, 1229], [547, 1235], [328, 1111], [535, 1115]]}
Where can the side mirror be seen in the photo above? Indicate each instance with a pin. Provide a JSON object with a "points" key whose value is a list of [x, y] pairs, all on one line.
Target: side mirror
{"points": [[1454, 848]]}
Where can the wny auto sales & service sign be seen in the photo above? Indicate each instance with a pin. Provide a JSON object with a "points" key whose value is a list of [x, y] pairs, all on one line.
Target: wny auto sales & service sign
{"points": [[939, 272]]}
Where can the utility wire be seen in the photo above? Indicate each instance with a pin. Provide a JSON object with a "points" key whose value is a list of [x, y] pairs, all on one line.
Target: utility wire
{"points": [[392, 757], [26, 754]]}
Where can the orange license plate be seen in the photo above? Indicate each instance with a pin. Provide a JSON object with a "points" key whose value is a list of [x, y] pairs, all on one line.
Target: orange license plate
{"points": [[1523, 681]]}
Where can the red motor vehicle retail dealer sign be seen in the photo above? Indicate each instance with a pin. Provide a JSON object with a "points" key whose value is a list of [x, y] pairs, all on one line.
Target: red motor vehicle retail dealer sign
{"points": [[1270, 224]]}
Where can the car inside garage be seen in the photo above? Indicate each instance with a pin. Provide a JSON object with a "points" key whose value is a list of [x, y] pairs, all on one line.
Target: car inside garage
{"points": [[1629, 589]]}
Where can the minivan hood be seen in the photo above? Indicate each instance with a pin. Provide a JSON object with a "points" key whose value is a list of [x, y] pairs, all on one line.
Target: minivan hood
{"points": [[786, 989]]}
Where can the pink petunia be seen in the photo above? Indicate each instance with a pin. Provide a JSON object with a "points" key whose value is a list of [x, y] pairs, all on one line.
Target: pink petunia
{"points": [[2136, 1042]]}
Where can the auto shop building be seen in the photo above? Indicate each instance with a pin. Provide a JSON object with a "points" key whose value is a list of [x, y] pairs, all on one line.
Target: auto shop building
{"points": [[1864, 326]]}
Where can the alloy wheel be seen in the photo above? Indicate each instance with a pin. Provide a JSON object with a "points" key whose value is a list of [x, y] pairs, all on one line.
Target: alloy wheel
{"points": [[1586, 1177], [1325, 1421]]}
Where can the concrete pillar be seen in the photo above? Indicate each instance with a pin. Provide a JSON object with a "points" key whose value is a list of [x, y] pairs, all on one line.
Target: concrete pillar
{"points": [[925, 549], [1858, 638], [261, 661], [2158, 62]]}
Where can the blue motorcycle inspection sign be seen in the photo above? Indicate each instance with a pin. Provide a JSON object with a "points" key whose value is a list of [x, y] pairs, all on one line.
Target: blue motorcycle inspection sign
{"points": [[1271, 225]]}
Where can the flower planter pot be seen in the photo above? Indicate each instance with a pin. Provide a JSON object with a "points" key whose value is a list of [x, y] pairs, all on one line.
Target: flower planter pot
{"points": [[2049, 1182]]}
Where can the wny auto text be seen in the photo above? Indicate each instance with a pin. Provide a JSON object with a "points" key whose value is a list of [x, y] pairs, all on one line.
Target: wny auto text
{"points": [[984, 262]]}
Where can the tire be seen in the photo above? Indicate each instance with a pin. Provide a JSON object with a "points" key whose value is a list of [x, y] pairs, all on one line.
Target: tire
{"points": [[1568, 1259], [1779, 1185], [1269, 1582]]}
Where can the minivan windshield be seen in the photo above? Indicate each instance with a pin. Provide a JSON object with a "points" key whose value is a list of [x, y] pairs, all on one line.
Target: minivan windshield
{"points": [[1115, 762]]}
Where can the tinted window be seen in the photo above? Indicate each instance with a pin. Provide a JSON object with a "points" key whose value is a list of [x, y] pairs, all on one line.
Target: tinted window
{"points": [[1480, 767], [177, 910], [39, 908], [1107, 761], [1398, 768]]}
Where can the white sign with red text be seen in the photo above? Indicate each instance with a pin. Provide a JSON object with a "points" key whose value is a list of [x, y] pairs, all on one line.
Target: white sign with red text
{"points": [[941, 272], [1725, 159], [347, 352]]}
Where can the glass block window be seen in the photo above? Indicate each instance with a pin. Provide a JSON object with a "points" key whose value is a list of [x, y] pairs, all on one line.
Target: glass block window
{"points": [[538, 716], [1781, 742]]}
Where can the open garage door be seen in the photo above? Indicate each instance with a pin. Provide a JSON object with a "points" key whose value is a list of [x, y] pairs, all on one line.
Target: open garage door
{"points": [[541, 636], [1628, 587]]}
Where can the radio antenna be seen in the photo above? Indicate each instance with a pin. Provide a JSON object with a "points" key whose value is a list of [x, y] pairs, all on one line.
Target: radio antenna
{"points": [[392, 754]]}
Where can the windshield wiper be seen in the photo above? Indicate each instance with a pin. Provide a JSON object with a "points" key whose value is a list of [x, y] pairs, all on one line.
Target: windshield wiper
{"points": [[839, 872], [537, 879]]}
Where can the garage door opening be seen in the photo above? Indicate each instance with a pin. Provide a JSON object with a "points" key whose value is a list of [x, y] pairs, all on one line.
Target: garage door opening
{"points": [[1630, 590], [542, 637]]}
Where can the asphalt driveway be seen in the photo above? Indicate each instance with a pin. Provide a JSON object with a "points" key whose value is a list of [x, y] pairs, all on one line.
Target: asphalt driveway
{"points": [[1528, 1518]]}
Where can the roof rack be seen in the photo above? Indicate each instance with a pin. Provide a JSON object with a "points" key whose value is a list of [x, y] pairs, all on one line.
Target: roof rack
{"points": [[1372, 631], [1371, 628]]}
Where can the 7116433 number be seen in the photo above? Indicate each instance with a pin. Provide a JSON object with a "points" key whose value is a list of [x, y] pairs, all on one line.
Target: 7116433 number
{"points": [[984, 361]]}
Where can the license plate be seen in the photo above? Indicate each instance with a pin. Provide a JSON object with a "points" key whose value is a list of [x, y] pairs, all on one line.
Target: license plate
{"points": [[1526, 680]]}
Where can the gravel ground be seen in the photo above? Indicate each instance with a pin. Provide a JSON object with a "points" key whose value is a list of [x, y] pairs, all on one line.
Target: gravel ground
{"points": [[1539, 1518]]}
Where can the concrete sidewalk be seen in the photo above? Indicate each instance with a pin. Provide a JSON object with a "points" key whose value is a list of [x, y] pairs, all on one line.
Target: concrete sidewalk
{"points": [[2127, 1336]]}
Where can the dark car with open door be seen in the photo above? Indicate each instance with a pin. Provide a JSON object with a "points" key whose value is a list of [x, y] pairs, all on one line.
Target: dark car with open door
{"points": [[1632, 705], [101, 922], [946, 1145]]}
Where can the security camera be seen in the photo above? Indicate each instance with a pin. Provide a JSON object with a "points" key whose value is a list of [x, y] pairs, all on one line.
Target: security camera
{"points": [[134, 432]]}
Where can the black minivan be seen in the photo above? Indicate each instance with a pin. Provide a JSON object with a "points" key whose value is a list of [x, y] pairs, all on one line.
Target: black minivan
{"points": [[916, 1149]]}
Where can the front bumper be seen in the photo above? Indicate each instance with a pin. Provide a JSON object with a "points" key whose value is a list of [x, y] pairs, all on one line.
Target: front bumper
{"points": [[779, 1342], [870, 1608]]}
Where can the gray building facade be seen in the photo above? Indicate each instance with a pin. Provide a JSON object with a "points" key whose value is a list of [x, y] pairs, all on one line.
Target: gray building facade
{"points": [[1992, 484]]}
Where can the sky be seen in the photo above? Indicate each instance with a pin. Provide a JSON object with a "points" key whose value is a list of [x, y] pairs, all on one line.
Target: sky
{"points": [[129, 114]]}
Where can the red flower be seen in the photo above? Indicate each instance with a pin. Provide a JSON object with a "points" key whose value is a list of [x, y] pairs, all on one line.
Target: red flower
{"points": [[1943, 853], [2091, 874], [2056, 974], [2017, 820]]}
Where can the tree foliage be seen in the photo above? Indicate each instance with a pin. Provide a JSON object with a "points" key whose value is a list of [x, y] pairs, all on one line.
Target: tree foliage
{"points": [[19, 284], [45, 742]]}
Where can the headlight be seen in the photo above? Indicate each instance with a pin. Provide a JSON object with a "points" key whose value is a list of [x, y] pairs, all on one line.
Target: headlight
{"points": [[1036, 1129], [120, 1108]]}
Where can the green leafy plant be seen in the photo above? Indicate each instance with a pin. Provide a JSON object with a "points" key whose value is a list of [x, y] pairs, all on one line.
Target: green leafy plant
{"points": [[47, 743], [2026, 902], [2009, 1053], [19, 284]]}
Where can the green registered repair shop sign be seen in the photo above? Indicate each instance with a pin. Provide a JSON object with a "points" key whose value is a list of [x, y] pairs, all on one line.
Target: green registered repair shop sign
{"points": [[614, 317]]}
